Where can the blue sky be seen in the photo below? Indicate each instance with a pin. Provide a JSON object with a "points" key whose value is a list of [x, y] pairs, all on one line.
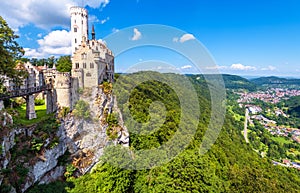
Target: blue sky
{"points": [[244, 37]]}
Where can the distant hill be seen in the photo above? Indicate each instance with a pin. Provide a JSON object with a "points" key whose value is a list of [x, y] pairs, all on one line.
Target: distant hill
{"points": [[237, 82], [231, 81], [275, 81]]}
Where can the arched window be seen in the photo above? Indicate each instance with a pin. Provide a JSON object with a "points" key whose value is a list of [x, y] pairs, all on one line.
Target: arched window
{"points": [[84, 65], [77, 65], [91, 65], [75, 29]]}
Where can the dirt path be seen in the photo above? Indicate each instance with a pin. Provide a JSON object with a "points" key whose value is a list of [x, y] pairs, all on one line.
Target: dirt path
{"points": [[246, 125]]}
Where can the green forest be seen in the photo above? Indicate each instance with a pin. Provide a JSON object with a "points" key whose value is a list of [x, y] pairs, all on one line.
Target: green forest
{"points": [[229, 166]]}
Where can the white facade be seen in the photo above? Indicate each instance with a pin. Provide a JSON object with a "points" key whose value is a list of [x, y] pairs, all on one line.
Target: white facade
{"points": [[79, 26], [93, 63]]}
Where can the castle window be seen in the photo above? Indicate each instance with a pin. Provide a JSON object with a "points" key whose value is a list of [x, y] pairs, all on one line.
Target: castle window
{"points": [[75, 40], [77, 65], [84, 65], [75, 20], [84, 56], [91, 65], [75, 29], [88, 74]]}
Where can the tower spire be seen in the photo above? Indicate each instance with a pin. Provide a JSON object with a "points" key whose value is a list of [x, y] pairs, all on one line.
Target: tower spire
{"points": [[93, 33]]}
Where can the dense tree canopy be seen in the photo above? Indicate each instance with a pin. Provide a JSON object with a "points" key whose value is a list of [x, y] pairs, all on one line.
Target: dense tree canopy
{"points": [[10, 51], [64, 64], [229, 166]]}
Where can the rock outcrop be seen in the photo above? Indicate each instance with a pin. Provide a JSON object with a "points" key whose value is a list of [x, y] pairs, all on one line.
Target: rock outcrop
{"points": [[86, 139]]}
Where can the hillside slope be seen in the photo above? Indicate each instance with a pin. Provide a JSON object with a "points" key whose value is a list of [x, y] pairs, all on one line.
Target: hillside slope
{"points": [[229, 166]]}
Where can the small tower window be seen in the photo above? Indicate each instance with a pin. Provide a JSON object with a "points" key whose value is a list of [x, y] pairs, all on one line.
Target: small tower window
{"points": [[77, 65], [91, 65], [84, 56], [84, 65], [75, 29], [75, 41], [75, 20]]}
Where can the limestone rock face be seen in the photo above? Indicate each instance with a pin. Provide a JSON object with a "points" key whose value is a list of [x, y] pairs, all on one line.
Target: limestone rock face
{"points": [[53, 175], [46, 170], [7, 139], [86, 139]]}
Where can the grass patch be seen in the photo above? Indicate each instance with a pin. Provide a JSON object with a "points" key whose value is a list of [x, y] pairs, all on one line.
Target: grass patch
{"points": [[19, 115]]}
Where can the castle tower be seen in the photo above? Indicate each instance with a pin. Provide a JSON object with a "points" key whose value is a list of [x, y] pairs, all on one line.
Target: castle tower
{"points": [[79, 26], [63, 87]]}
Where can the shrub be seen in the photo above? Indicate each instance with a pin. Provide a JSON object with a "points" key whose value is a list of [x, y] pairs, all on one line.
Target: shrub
{"points": [[70, 169], [36, 144], [82, 110], [112, 119], [107, 87], [80, 90], [63, 112]]}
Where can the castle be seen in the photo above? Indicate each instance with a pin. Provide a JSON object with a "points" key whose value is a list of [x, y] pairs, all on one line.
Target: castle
{"points": [[92, 63]]}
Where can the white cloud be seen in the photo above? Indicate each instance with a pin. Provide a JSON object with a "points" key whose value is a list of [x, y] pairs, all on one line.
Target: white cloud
{"points": [[269, 68], [43, 13], [94, 3], [93, 19], [216, 67], [242, 67], [114, 30], [56, 38], [104, 20], [184, 38], [136, 35], [176, 39], [186, 67], [55, 43]]}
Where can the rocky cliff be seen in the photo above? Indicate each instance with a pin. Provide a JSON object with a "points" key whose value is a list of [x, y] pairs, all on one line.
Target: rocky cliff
{"points": [[26, 160], [86, 138]]}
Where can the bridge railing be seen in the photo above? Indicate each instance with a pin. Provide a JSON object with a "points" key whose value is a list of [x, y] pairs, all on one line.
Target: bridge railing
{"points": [[24, 92]]}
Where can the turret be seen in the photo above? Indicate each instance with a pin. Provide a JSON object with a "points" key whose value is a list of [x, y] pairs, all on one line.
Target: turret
{"points": [[79, 26]]}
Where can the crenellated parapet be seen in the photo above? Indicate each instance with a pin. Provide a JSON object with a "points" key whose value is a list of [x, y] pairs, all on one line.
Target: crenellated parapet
{"points": [[76, 10]]}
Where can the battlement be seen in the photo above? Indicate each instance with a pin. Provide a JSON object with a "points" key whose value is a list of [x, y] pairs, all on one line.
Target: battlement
{"points": [[78, 10]]}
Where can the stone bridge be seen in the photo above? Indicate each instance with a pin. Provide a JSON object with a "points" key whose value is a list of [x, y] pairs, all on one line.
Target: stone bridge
{"points": [[28, 95]]}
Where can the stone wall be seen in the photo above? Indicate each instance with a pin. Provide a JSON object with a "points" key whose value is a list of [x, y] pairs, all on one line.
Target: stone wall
{"points": [[63, 89]]}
